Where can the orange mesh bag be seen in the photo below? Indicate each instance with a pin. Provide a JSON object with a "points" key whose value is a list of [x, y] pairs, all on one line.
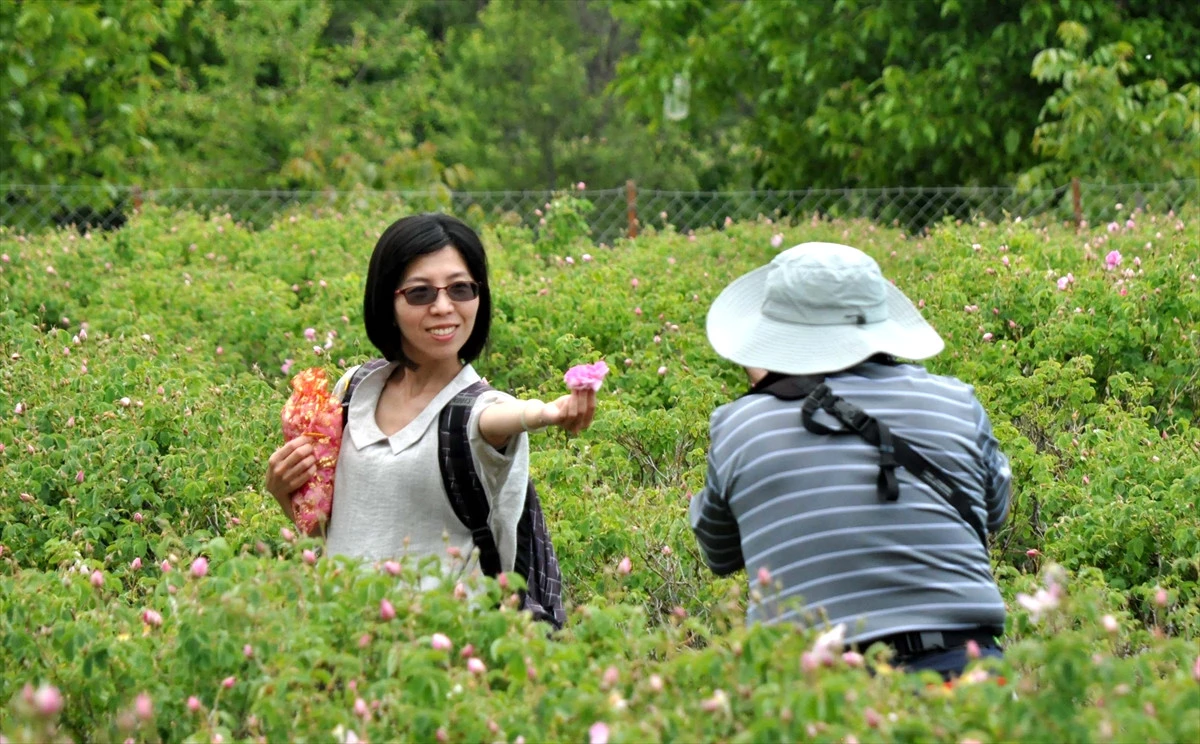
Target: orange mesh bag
{"points": [[316, 414]]}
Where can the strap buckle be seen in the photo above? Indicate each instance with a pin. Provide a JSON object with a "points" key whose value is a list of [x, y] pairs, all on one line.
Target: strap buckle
{"points": [[849, 414]]}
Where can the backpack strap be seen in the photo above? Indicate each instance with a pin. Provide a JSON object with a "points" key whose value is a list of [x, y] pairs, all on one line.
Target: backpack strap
{"points": [[459, 478], [893, 451], [358, 375]]}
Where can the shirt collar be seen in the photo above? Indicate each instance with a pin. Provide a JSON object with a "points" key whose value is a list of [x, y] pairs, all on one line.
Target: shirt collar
{"points": [[361, 420]]}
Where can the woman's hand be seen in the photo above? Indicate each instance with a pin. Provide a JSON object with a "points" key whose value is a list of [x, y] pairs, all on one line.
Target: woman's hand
{"points": [[573, 412], [288, 468]]}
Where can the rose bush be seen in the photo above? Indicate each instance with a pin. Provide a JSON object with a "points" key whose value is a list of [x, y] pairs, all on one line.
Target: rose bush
{"points": [[143, 374]]}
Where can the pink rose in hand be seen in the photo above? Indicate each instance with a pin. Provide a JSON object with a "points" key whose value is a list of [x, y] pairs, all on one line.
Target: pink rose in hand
{"points": [[586, 376]]}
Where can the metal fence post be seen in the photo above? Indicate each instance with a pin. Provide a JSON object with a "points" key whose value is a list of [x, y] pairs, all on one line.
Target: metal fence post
{"points": [[631, 208], [1077, 201]]}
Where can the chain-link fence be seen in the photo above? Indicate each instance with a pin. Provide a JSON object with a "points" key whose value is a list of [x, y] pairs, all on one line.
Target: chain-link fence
{"points": [[615, 213]]}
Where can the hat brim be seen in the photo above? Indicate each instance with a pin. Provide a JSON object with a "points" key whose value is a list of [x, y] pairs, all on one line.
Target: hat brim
{"points": [[739, 332]]}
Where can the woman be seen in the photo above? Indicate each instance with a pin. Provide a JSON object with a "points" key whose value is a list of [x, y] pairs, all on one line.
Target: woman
{"points": [[427, 308]]}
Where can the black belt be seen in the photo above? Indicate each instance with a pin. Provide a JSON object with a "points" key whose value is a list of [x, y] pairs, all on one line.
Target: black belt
{"points": [[920, 642]]}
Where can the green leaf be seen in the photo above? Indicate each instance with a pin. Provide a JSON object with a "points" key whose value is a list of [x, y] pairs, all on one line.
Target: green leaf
{"points": [[1012, 141], [18, 74]]}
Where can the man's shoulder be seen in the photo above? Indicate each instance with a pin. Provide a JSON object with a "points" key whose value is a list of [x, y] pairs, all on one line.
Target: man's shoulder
{"points": [[904, 377]]}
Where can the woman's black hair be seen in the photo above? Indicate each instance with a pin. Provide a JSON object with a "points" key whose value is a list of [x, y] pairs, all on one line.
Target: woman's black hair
{"points": [[404, 241]]}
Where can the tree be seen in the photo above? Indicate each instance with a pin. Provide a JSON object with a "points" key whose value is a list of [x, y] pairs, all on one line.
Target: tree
{"points": [[527, 89], [891, 92], [279, 98], [77, 77], [1096, 127]]}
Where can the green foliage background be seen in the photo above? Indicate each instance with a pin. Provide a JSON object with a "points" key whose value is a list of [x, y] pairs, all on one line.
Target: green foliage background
{"points": [[142, 437], [539, 94]]}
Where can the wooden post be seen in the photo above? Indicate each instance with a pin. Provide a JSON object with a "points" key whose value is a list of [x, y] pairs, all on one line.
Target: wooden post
{"points": [[631, 208], [1077, 202]]}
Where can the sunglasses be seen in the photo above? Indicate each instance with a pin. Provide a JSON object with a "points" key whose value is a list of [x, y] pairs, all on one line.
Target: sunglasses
{"points": [[427, 294]]}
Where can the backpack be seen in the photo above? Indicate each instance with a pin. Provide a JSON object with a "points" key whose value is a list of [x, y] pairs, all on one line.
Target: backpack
{"points": [[535, 559], [894, 451]]}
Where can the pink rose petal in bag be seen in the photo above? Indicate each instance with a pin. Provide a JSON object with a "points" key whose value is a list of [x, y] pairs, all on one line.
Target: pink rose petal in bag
{"points": [[316, 414]]}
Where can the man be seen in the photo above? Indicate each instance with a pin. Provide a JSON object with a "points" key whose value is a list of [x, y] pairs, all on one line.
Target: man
{"points": [[814, 491]]}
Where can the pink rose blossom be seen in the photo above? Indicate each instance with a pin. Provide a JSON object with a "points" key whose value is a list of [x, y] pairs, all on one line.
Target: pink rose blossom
{"points": [[287, 534], [853, 659], [1160, 597], [248, 651], [586, 376], [286, 367], [200, 567], [440, 642], [47, 700], [386, 611], [97, 579], [764, 576], [360, 708], [137, 517], [309, 557], [136, 564], [973, 651], [598, 733], [193, 703], [715, 703], [152, 618], [229, 682], [634, 282], [475, 666], [165, 566], [310, 334], [776, 240], [143, 707], [988, 337], [581, 186], [1110, 624], [1113, 259], [392, 568], [625, 566], [662, 371]]}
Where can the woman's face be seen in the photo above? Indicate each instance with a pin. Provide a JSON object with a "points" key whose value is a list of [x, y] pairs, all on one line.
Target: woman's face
{"points": [[434, 333]]}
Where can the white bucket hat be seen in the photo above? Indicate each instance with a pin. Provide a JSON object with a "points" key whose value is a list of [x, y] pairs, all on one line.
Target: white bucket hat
{"points": [[817, 307]]}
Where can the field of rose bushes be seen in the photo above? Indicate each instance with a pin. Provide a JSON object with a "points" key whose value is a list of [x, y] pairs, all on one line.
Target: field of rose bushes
{"points": [[150, 589]]}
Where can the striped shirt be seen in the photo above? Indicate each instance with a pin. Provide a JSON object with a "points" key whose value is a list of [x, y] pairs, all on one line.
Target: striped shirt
{"points": [[807, 508]]}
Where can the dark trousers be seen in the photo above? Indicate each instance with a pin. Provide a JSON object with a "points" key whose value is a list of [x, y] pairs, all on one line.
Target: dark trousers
{"points": [[947, 662]]}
